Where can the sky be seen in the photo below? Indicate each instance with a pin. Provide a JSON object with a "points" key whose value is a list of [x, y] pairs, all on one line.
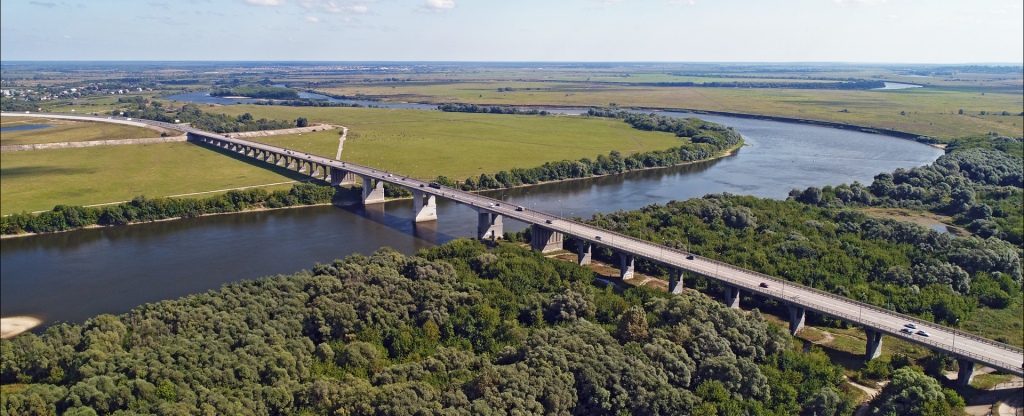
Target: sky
{"points": [[870, 31]]}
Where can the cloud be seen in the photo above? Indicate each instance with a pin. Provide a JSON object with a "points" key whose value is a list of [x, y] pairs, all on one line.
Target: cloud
{"points": [[158, 4], [42, 3], [264, 2], [337, 7], [681, 2], [436, 6], [311, 19], [67, 36]]}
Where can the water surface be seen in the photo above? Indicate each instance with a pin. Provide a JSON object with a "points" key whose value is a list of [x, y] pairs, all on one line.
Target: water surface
{"points": [[29, 127], [75, 275]]}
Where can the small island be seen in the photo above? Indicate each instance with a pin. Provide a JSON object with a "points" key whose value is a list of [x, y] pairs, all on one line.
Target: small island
{"points": [[257, 91]]}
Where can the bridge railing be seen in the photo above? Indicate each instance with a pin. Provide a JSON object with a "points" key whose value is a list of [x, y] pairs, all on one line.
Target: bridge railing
{"points": [[858, 320]]}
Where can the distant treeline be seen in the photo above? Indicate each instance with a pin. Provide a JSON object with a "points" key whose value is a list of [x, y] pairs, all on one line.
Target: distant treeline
{"points": [[855, 85], [142, 209], [707, 140], [190, 113], [473, 108], [257, 91], [307, 102]]}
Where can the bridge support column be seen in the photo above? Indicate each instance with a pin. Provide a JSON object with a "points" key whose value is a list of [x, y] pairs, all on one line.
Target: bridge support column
{"points": [[424, 211], [251, 152], [731, 296], [675, 281], [545, 240], [625, 266], [874, 347], [583, 250], [966, 373], [290, 164], [796, 319], [372, 193], [342, 177], [489, 225]]}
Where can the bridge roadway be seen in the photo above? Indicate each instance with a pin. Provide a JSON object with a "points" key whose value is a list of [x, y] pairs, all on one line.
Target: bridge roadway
{"points": [[968, 348]]}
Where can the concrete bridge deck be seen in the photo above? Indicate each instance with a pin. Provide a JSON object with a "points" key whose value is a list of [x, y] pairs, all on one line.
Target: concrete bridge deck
{"points": [[548, 231]]}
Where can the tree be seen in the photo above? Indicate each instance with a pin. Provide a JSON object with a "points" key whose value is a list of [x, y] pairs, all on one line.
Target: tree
{"points": [[301, 122]]}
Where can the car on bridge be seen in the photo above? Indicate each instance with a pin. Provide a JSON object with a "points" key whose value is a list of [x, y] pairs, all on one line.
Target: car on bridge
{"points": [[911, 326], [549, 222], [907, 331], [435, 185], [519, 208], [763, 284], [923, 333]]}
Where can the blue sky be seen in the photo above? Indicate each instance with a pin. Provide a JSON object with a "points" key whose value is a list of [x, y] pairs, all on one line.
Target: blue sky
{"points": [[912, 31]]}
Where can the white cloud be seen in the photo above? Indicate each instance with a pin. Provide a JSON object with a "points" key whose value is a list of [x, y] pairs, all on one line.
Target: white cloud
{"points": [[42, 3], [436, 6], [337, 7], [681, 2], [311, 19], [67, 36], [265, 2]]}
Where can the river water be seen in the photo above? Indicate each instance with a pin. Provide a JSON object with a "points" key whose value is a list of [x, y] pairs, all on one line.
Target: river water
{"points": [[73, 276]]}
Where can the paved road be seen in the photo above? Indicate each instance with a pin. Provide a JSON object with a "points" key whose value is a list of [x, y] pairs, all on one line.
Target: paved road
{"points": [[975, 348]]}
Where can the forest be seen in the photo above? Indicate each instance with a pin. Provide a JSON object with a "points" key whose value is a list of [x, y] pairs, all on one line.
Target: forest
{"points": [[257, 91], [455, 330], [190, 113], [473, 108], [307, 102], [142, 209]]}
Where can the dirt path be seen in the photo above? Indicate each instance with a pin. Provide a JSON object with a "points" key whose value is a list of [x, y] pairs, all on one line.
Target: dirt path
{"points": [[9, 327], [341, 141]]}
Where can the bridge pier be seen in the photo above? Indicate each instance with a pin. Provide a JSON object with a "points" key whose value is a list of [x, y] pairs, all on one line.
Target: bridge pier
{"points": [[545, 240], [731, 296], [583, 251], [966, 373], [796, 319], [372, 193], [625, 266], [489, 225], [874, 347], [675, 281], [342, 177], [424, 211]]}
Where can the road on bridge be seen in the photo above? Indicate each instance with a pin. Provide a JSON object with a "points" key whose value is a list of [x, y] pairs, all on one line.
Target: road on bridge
{"points": [[966, 346]]}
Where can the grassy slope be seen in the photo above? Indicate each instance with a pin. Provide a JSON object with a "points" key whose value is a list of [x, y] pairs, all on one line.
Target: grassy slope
{"points": [[429, 143], [928, 110], [38, 180], [69, 131]]}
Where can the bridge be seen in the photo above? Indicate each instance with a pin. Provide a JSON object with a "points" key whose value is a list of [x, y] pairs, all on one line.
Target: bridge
{"points": [[549, 232]]}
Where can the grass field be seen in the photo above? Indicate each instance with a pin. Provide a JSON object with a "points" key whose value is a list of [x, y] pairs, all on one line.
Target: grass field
{"points": [[38, 180], [928, 111], [429, 143], [68, 131]]}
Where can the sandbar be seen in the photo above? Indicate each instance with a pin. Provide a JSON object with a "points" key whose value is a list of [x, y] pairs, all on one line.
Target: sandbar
{"points": [[10, 327]]}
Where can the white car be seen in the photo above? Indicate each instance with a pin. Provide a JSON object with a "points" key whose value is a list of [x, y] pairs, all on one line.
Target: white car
{"points": [[911, 326], [923, 333]]}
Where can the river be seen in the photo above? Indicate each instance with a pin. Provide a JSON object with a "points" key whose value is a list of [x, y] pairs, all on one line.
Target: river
{"points": [[75, 275]]}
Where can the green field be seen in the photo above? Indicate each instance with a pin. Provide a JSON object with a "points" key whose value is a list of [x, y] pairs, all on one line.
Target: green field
{"points": [[68, 131], [39, 179], [424, 143], [928, 111], [430, 143]]}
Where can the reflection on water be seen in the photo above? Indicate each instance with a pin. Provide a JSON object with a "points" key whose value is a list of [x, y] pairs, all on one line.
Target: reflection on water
{"points": [[23, 128], [75, 275]]}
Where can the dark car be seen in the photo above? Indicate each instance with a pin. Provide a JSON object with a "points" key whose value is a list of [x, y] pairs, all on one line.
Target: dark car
{"points": [[690, 257], [549, 222], [763, 284], [519, 208], [435, 185]]}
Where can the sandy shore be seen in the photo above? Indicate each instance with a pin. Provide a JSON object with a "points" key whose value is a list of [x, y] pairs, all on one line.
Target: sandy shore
{"points": [[9, 327]]}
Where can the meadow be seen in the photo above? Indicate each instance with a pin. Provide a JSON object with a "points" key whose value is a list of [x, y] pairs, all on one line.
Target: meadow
{"points": [[40, 179], [430, 143], [412, 142], [923, 111], [68, 131]]}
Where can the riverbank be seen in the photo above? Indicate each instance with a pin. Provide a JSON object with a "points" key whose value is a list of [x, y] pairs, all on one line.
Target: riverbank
{"points": [[728, 152], [11, 327]]}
